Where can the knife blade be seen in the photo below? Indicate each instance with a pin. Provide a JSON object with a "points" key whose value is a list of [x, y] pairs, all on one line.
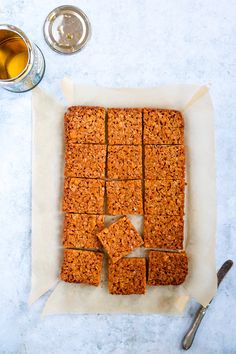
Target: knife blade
{"points": [[189, 336]]}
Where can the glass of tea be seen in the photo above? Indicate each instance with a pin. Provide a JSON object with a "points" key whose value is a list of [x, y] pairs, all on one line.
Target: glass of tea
{"points": [[22, 64]]}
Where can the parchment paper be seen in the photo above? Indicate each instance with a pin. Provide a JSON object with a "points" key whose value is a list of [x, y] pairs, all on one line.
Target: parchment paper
{"points": [[200, 221]]}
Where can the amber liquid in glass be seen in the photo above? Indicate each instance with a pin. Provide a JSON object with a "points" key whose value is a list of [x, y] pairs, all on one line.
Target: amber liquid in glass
{"points": [[13, 58]]}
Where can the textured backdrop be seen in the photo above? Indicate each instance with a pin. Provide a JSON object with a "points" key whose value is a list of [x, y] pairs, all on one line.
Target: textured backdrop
{"points": [[134, 43]]}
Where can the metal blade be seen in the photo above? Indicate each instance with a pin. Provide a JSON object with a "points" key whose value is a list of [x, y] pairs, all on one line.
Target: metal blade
{"points": [[224, 270]]}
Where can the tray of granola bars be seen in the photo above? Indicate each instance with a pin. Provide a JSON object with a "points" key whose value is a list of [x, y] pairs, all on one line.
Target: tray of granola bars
{"points": [[123, 188]]}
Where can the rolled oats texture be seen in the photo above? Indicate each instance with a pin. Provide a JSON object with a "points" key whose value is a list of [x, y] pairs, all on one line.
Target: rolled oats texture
{"points": [[124, 162], [164, 197], [84, 124], [124, 197], [120, 238], [82, 267], [164, 231], [124, 126], [127, 276], [167, 268], [85, 160], [80, 230], [84, 196], [164, 162], [163, 126]]}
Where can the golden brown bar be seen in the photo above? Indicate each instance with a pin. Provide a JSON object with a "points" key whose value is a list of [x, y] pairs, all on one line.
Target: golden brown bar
{"points": [[163, 126], [166, 232], [120, 238], [164, 162], [80, 230], [85, 160], [124, 126], [82, 267], [85, 125], [124, 162], [83, 196], [127, 276], [124, 197], [164, 197], [167, 268]]}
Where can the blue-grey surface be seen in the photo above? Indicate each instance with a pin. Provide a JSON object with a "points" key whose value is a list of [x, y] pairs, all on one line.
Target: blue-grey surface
{"points": [[134, 43]]}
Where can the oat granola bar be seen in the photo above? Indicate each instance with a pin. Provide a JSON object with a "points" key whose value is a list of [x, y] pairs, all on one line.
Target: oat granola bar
{"points": [[80, 230], [124, 197], [164, 197], [85, 160], [82, 267], [167, 268], [124, 162], [127, 276], [120, 238], [124, 126], [83, 196], [163, 126], [163, 231], [85, 125], [164, 162]]}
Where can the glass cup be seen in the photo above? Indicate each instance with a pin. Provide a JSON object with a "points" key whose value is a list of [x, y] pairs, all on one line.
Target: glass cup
{"points": [[22, 63]]}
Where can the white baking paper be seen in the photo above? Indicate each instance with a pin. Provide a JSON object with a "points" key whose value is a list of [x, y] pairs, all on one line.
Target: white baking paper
{"points": [[200, 221], [47, 167]]}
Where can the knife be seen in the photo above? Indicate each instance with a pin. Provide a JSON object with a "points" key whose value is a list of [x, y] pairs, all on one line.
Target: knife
{"points": [[189, 336]]}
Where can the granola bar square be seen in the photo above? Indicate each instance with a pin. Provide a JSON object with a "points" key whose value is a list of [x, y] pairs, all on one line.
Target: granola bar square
{"points": [[85, 160], [166, 232], [167, 268], [85, 124], [124, 162], [164, 162], [124, 126], [82, 267], [164, 197], [83, 196], [120, 238], [163, 126], [124, 197], [80, 230], [127, 276]]}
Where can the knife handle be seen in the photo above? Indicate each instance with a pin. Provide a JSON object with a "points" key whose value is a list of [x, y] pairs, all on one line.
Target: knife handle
{"points": [[189, 336]]}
